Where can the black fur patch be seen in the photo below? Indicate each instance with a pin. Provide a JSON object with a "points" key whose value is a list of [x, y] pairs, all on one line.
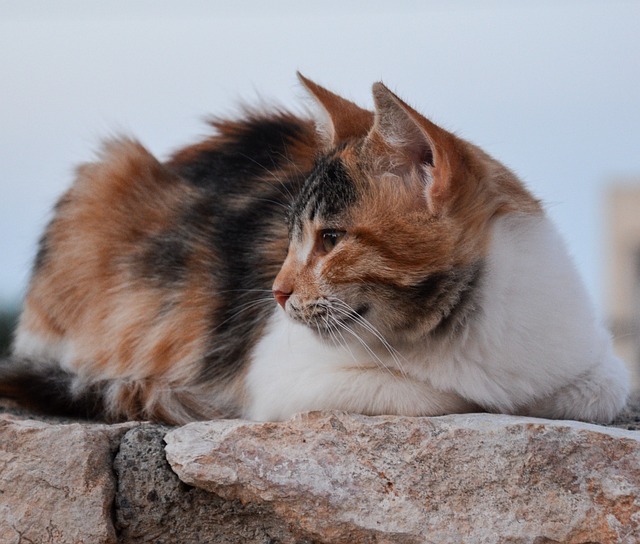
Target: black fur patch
{"points": [[164, 259], [237, 217], [466, 303], [326, 193], [260, 147], [47, 389], [243, 279], [450, 296]]}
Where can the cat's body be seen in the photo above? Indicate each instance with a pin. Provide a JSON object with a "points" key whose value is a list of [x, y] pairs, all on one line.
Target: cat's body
{"points": [[148, 281], [489, 364], [421, 278]]}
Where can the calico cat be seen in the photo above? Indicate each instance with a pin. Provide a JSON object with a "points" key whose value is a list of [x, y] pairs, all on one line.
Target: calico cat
{"points": [[370, 262]]}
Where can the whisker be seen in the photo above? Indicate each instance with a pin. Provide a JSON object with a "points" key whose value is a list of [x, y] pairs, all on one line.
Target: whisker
{"points": [[350, 312], [281, 185], [271, 201], [220, 292], [345, 344], [347, 311], [243, 308], [291, 163], [330, 331], [337, 337], [365, 345]]}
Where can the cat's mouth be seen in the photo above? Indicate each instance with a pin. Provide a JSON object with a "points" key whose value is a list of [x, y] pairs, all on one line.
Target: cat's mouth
{"points": [[330, 320]]}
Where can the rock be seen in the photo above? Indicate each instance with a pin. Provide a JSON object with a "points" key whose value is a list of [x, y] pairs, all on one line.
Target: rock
{"points": [[56, 481], [154, 506], [478, 478], [319, 478]]}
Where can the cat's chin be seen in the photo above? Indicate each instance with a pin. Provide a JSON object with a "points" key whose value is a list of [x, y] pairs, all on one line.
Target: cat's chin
{"points": [[323, 331], [336, 328]]}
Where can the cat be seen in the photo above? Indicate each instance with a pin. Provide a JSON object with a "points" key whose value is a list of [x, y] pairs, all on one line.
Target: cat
{"points": [[371, 262]]}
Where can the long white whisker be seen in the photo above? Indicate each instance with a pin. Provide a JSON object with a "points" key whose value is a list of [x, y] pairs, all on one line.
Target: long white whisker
{"points": [[336, 335], [350, 312], [365, 345], [334, 339], [344, 342], [347, 311]]}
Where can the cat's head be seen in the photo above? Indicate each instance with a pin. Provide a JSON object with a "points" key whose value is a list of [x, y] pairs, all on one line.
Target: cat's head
{"points": [[389, 233]]}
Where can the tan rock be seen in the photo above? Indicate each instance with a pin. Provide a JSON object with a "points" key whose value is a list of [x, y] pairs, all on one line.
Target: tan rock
{"points": [[56, 481], [476, 478]]}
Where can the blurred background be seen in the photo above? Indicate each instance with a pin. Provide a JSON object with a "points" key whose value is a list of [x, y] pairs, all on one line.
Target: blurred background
{"points": [[551, 88]]}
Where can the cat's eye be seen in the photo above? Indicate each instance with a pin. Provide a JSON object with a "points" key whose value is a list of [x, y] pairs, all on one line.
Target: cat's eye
{"points": [[329, 238]]}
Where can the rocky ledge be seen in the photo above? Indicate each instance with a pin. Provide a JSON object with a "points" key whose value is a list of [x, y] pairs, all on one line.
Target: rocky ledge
{"points": [[320, 478]]}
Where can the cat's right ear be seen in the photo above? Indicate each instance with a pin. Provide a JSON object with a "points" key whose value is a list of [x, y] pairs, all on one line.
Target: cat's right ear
{"points": [[341, 118], [412, 143]]}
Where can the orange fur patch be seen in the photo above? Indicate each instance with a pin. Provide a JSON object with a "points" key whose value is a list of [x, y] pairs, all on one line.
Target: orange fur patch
{"points": [[86, 293]]}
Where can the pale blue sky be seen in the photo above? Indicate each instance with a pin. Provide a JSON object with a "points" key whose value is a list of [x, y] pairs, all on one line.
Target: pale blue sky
{"points": [[551, 88]]}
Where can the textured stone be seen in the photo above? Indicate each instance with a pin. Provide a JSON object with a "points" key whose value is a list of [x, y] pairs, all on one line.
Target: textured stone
{"points": [[44, 496], [56, 481], [154, 506], [476, 478]]}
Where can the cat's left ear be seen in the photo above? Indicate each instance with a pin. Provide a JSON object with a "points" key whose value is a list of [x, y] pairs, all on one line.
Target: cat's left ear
{"points": [[413, 144], [342, 118]]}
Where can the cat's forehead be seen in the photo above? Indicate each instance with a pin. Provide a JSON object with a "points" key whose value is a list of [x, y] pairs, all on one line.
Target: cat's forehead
{"points": [[328, 192]]}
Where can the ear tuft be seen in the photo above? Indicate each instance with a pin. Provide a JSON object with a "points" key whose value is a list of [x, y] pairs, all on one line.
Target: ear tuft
{"points": [[344, 119]]}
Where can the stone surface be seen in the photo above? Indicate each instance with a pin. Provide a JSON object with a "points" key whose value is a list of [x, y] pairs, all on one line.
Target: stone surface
{"points": [[154, 506], [59, 481], [56, 481], [476, 478]]}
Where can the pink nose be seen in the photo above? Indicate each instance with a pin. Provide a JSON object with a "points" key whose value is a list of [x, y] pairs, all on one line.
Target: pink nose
{"points": [[281, 297]]}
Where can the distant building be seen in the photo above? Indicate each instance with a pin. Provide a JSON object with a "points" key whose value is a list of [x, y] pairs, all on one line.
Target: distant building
{"points": [[623, 274]]}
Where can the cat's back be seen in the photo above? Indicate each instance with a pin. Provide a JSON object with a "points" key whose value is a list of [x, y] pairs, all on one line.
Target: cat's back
{"points": [[133, 271]]}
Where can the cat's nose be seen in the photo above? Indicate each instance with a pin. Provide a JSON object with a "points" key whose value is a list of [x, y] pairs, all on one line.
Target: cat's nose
{"points": [[281, 296]]}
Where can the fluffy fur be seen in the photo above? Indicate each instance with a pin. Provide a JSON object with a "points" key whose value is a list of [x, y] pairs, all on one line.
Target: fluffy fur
{"points": [[413, 274]]}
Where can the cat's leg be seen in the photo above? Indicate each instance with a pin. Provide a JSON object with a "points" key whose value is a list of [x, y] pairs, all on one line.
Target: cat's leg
{"points": [[364, 390], [597, 395]]}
